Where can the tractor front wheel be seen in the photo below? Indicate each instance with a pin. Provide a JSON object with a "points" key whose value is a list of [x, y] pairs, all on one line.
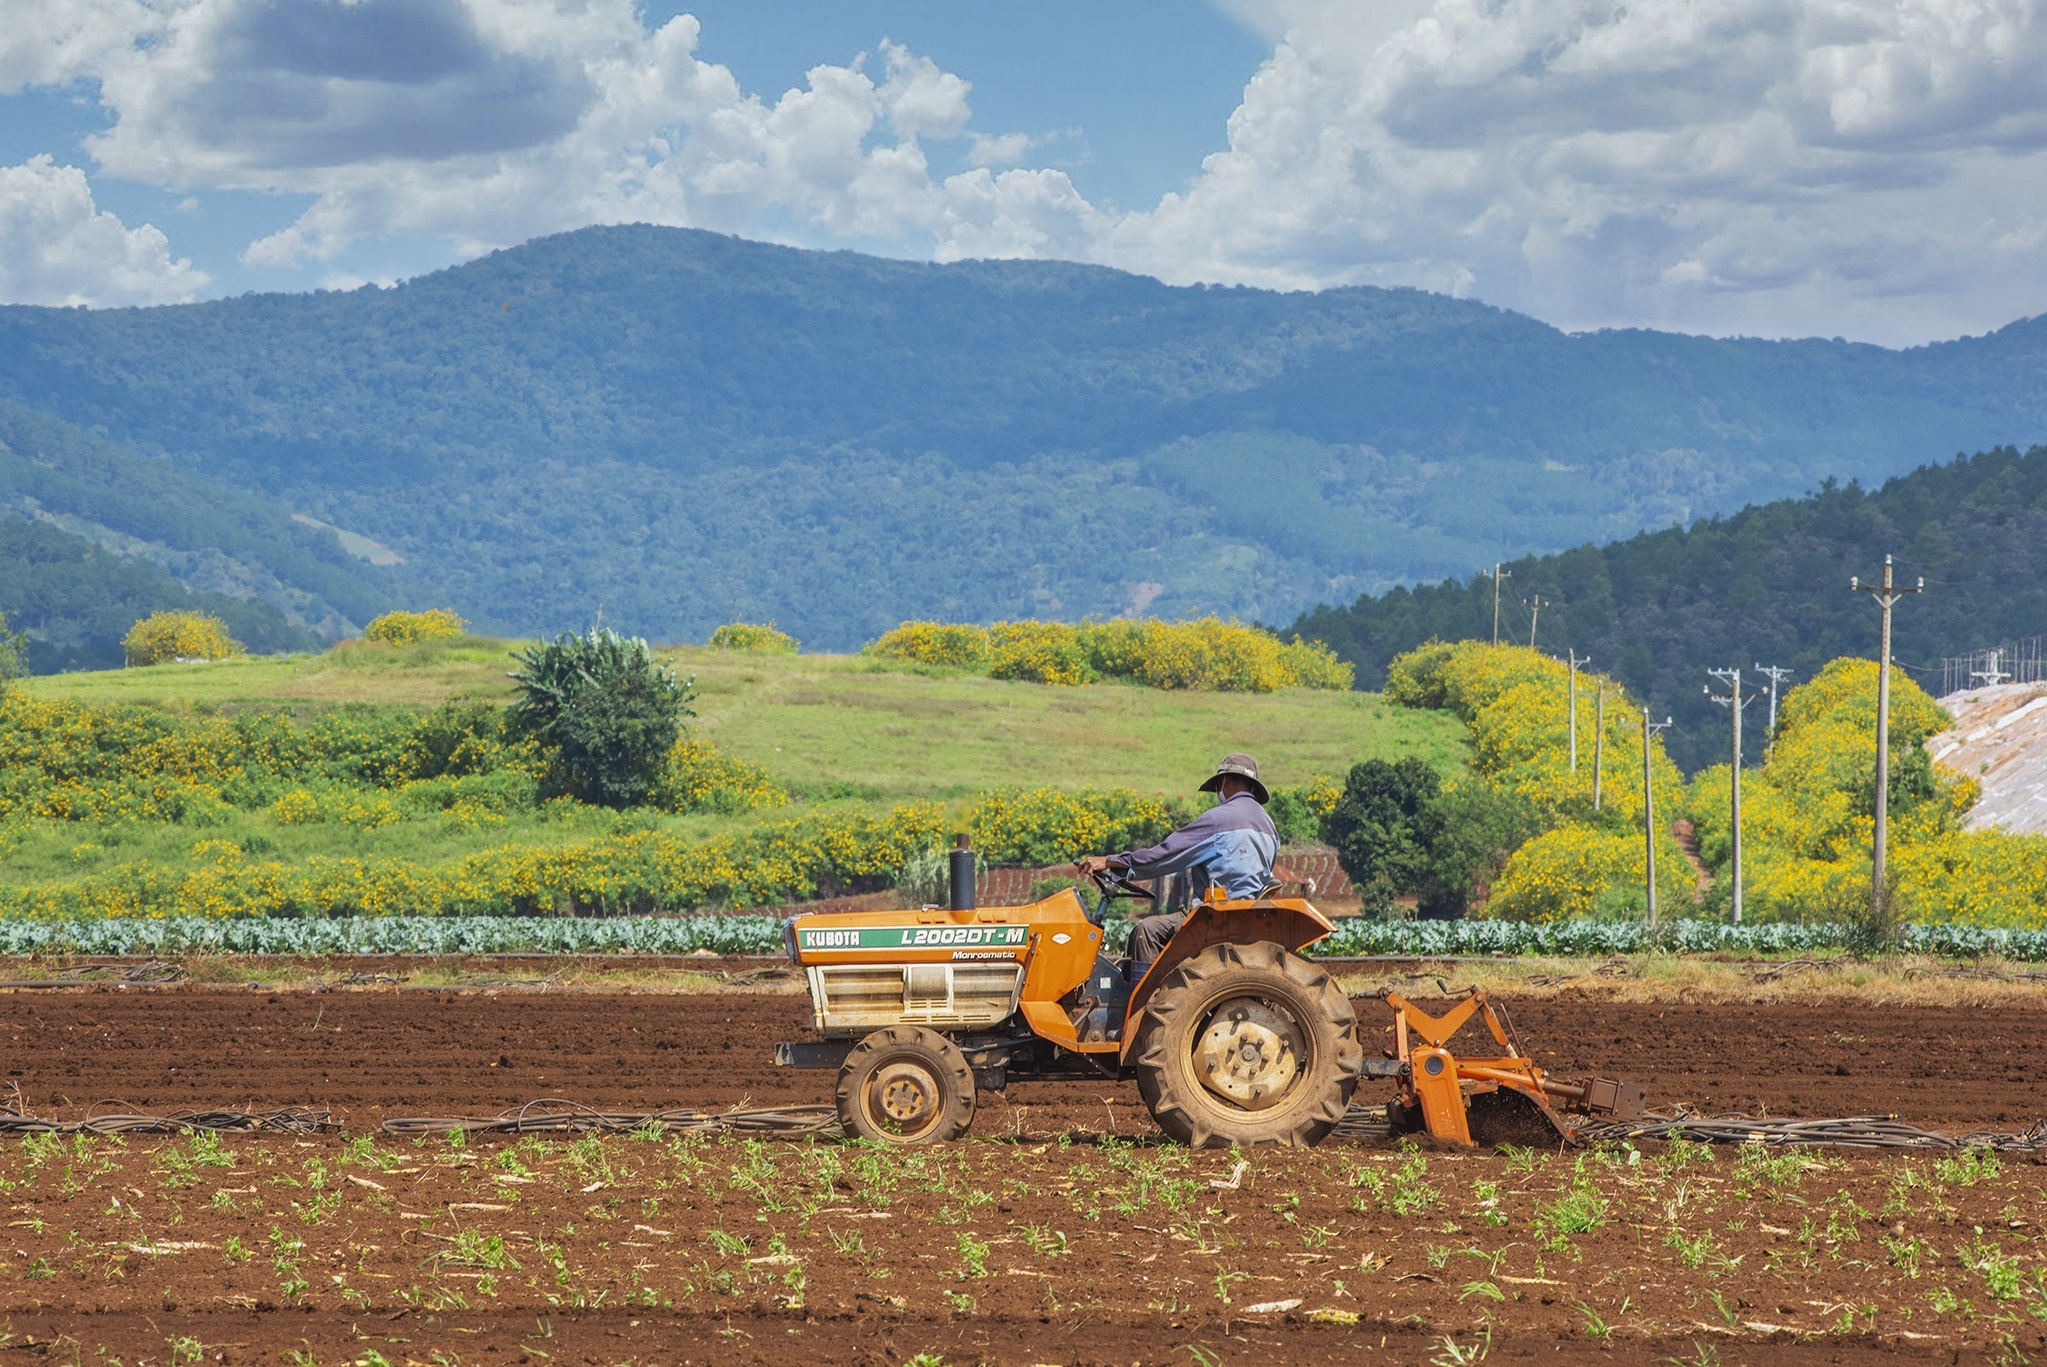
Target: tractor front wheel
{"points": [[906, 1085], [1248, 1044]]}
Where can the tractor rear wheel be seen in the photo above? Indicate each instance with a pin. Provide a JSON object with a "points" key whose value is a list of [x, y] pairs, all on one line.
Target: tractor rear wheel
{"points": [[906, 1085], [1248, 1044]]}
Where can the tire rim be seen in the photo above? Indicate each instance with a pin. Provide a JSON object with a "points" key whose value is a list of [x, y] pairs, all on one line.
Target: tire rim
{"points": [[901, 1099], [1251, 1052]]}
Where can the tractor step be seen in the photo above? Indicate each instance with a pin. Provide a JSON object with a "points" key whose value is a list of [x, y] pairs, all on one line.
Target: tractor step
{"points": [[830, 1054]]}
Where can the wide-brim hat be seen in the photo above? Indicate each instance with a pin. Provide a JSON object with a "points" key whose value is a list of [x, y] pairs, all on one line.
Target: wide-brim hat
{"points": [[1238, 766]]}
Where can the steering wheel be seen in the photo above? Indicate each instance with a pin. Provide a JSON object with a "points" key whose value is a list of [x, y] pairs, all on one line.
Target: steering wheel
{"points": [[1114, 884]]}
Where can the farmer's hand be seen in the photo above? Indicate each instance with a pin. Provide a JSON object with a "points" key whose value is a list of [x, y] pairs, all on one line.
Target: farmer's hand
{"points": [[1092, 865]]}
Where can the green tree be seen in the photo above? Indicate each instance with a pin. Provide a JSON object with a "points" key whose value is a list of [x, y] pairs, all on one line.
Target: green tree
{"points": [[606, 710], [13, 654], [1384, 828], [1477, 827]]}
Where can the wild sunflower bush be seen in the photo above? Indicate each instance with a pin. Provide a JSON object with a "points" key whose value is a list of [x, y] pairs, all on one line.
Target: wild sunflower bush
{"points": [[1581, 860], [631, 872], [699, 777], [760, 638], [179, 635], [1031, 828], [954, 645], [1207, 653], [409, 628], [1808, 817]]}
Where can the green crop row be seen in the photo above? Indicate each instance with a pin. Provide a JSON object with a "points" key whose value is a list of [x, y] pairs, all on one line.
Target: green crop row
{"points": [[763, 935]]}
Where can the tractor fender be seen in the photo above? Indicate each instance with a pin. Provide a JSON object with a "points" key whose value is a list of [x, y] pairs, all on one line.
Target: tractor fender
{"points": [[1291, 923]]}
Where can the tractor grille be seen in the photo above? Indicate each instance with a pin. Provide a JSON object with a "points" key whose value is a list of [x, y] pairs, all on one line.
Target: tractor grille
{"points": [[850, 998]]}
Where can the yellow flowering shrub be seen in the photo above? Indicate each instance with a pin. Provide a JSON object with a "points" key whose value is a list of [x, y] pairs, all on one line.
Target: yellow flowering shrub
{"points": [[754, 636], [296, 808], [1030, 828], [1808, 812], [934, 643], [1571, 871], [1314, 665], [699, 777], [179, 635], [1206, 653], [637, 872], [1040, 652], [407, 628], [1984, 878]]}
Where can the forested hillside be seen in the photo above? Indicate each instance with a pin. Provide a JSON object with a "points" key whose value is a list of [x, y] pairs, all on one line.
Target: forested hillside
{"points": [[684, 427], [76, 601], [1768, 586], [93, 536]]}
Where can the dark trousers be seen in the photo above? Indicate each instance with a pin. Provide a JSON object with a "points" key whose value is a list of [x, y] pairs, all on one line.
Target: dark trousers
{"points": [[1149, 935]]}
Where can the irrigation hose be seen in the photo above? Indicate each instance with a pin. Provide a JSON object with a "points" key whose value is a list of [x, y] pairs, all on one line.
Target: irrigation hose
{"points": [[1857, 1132], [553, 1115], [294, 1120]]}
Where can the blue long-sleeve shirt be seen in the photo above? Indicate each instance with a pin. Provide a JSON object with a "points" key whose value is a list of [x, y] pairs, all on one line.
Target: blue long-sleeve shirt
{"points": [[1234, 841]]}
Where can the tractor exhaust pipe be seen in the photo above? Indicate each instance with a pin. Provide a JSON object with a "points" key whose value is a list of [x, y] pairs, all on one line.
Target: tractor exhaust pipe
{"points": [[962, 868]]}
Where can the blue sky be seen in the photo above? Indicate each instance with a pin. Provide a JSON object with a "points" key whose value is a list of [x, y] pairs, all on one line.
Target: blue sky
{"points": [[1868, 168]]}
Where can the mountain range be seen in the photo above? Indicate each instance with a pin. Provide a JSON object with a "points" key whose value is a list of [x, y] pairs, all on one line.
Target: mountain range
{"points": [[675, 429]]}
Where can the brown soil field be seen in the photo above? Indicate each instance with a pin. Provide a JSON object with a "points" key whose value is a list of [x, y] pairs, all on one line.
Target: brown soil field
{"points": [[1062, 1232]]}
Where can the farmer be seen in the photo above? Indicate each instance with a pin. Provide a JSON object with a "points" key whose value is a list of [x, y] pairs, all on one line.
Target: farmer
{"points": [[1232, 844]]}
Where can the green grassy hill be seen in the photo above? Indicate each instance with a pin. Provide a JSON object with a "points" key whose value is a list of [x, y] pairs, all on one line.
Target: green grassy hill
{"points": [[851, 726], [855, 743]]}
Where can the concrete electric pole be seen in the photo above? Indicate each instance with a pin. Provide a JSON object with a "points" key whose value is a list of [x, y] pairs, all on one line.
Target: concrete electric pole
{"points": [[1735, 700], [1885, 597], [1576, 665], [1649, 729], [1598, 743], [1776, 676], [1498, 575], [1535, 606]]}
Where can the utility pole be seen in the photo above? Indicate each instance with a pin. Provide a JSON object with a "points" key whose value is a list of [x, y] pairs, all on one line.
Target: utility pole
{"points": [[1598, 743], [1775, 676], [1885, 598], [1535, 606], [1735, 699], [1498, 575], [1649, 729], [1576, 665]]}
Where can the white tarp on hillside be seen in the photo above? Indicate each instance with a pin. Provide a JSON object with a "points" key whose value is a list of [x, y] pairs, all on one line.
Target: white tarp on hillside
{"points": [[2000, 739]]}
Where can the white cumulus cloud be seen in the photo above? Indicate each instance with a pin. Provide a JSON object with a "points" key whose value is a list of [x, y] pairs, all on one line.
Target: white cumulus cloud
{"points": [[486, 122], [1772, 166], [50, 42], [58, 247], [1869, 167]]}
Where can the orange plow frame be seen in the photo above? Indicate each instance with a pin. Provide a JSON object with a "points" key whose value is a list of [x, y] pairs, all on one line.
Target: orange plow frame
{"points": [[1438, 1083]]}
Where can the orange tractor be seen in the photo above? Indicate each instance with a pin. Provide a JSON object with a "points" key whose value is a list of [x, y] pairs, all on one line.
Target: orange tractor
{"points": [[1231, 1036]]}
